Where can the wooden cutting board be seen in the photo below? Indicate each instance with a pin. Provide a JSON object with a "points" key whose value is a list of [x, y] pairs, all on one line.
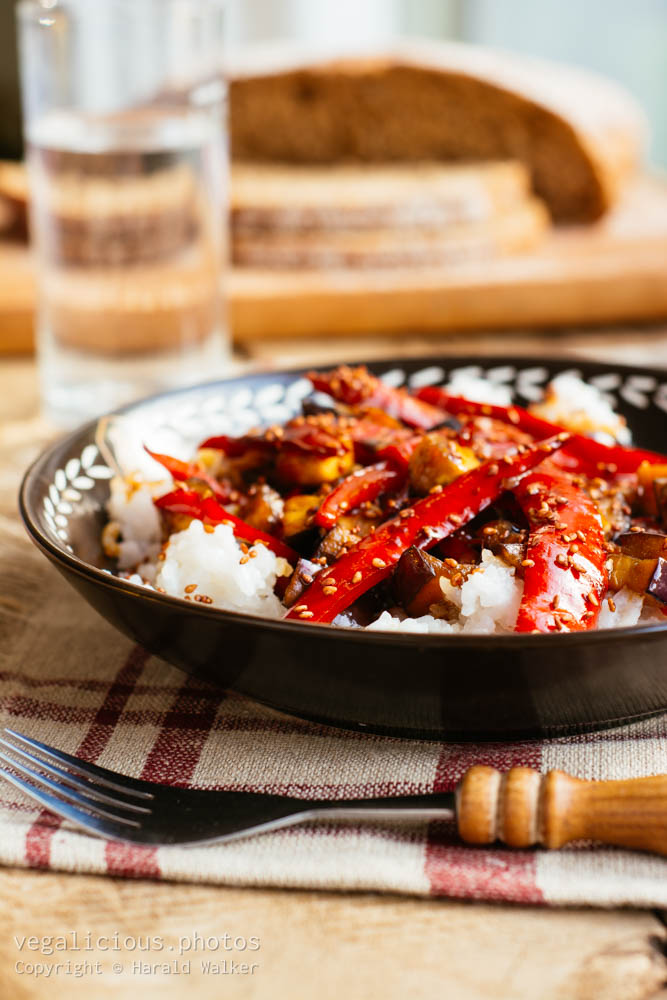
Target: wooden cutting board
{"points": [[613, 271]]}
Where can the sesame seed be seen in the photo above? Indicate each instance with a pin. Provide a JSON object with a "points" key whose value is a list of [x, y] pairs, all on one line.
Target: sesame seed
{"points": [[611, 604], [455, 518], [203, 599], [252, 554], [592, 598], [329, 590], [436, 489], [243, 560], [379, 563], [451, 562], [305, 614], [244, 548], [561, 560], [305, 577], [190, 588], [357, 577], [457, 580], [209, 529], [301, 607], [493, 469], [533, 488], [329, 582], [528, 562]]}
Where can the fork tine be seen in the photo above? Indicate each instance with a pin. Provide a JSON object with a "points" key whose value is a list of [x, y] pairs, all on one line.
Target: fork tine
{"points": [[103, 828], [117, 782], [72, 779], [68, 793]]}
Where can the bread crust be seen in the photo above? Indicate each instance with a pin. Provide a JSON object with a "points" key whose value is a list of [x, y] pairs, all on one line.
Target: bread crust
{"points": [[579, 135]]}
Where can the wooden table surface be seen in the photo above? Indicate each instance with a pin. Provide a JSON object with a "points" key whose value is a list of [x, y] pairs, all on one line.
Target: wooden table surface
{"points": [[363, 946]]}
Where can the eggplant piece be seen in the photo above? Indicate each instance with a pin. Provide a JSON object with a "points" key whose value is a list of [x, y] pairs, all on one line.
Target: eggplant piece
{"points": [[647, 476], [298, 513], [416, 583], [642, 544], [335, 541], [626, 571], [304, 573], [461, 546], [506, 541], [310, 469], [262, 507], [657, 587], [438, 460], [660, 492]]}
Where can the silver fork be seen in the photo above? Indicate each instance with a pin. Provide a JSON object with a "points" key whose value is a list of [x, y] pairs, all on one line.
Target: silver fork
{"points": [[118, 807], [521, 807]]}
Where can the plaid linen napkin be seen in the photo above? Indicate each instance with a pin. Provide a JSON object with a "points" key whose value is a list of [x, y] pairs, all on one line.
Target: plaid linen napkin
{"points": [[68, 678]]}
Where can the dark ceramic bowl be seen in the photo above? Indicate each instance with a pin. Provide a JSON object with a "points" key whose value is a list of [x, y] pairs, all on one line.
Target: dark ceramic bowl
{"points": [[434, 687]]}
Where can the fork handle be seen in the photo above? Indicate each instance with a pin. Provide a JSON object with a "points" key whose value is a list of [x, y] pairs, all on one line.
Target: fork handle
{"points": [[522, 807]]}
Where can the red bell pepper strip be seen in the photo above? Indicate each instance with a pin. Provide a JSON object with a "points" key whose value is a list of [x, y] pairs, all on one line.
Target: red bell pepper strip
{"points": [[364, 484], [309, 435], [597, 457], [356, 385], [208, 510], [398, 452], [427, 522], [565, 574], [181, 471], [234, 447]]}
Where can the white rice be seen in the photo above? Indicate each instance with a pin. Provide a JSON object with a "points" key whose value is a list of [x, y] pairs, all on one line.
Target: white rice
{"points": [[581, 408], [629, 609], [212, 562], [489, 601], [131, 507], [479, 390]]}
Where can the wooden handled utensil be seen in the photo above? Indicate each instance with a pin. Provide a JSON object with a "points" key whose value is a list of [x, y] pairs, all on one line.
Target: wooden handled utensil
{"points": [[523, 807], [520, 808]]}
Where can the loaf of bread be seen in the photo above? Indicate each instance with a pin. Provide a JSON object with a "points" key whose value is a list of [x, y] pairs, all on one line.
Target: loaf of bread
{"points": [[269, 197], [518, 229], [578, 135]]}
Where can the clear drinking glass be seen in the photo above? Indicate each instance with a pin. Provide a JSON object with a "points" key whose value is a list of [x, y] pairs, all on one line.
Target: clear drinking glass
{"points": [[125, 129]]}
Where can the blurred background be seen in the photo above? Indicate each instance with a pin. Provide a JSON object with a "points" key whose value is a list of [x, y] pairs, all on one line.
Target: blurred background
{"points": [[626, 41]]}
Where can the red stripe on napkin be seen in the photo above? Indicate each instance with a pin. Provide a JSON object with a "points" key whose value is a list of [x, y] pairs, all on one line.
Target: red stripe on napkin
{"points": [[468, 872], [171, 761], [40, 833]]}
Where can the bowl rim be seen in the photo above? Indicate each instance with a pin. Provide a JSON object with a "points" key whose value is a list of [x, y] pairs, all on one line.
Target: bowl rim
{"points": [[505, 642]]}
